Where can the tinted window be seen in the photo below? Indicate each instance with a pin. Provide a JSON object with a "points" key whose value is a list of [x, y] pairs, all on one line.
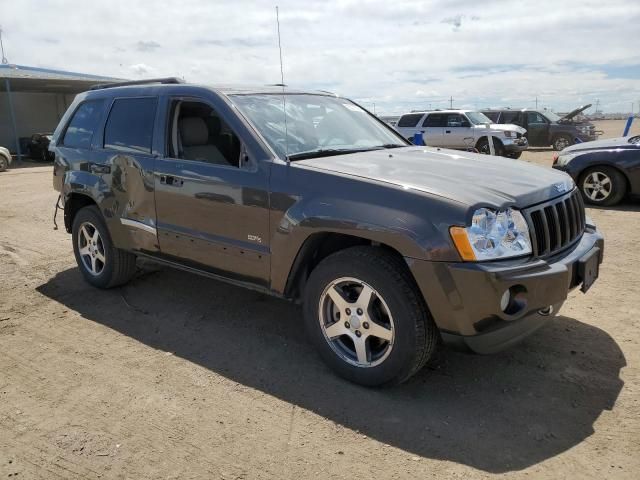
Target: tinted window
{"points": [[410, 120], [493, 116], [435, 120], [84, 122], [130, 125], [510, 117], [456, 120], [535, 117]]}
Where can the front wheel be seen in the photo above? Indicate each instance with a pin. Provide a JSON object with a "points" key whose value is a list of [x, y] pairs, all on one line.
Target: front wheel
{"points": [[101, 264], [4, 163], [561, 142], [604, 186], [366, 317], [483, 147]]}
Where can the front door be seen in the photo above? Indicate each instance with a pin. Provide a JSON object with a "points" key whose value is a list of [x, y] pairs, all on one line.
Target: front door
{"points": [[211, 195], [537, 129], [457, 132]]}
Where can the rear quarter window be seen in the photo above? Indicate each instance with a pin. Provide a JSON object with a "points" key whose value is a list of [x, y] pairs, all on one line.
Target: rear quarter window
{"points": [[493, 116], [130, 125], [510, 117], [83, 124], [410, 120]]}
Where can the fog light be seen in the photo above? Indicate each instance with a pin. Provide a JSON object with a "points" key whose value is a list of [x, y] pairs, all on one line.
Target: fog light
{"points": [[505, 300]]}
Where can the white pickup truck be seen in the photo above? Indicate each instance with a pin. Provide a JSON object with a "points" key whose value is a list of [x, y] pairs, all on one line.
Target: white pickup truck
{"points": [[5, 159], [463, 129]]}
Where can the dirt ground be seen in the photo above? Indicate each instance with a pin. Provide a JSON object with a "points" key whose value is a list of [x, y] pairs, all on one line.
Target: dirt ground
{"points": [[176, 376]]}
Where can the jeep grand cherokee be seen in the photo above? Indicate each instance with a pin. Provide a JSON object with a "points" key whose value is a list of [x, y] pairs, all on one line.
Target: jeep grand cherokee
{"points": [[388, 246]]}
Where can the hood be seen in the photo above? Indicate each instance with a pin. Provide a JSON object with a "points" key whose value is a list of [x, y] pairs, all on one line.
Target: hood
{"points": [[606, 144], [504, 127], [575, 112], [468, 178]]}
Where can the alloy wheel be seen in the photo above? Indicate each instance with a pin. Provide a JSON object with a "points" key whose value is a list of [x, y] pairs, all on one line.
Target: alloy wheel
{"points": [[597, 186], [91, 249], [356, 322]]}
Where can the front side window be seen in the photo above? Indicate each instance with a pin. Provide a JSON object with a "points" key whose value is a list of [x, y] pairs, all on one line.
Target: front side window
{"points": [[198, 133], [456, 120], [410, 120], [316, 125], [130, 125], [535, 118], [84, 122]]}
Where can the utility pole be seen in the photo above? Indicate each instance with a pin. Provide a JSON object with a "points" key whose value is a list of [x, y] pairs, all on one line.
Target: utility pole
{"points": [[536, 102], [4, 58], [374, 108], [451, 103]]}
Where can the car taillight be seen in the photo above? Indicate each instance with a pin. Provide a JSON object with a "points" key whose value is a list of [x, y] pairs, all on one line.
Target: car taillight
{"points": [[555, 158]]}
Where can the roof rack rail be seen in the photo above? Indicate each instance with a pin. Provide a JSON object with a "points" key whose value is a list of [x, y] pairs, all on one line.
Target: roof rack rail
{"points": [[167, 80]]}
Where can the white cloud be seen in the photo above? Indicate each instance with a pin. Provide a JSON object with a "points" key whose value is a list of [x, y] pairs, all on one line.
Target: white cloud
{"points": [[400, 55]]}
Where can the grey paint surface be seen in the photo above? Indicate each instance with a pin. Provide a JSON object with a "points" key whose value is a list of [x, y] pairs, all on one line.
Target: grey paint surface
{"points": [[249, 224]]}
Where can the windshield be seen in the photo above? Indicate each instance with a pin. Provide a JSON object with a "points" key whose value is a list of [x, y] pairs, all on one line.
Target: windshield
{"points": [[551, 116], [478, 118], [315, 123]]}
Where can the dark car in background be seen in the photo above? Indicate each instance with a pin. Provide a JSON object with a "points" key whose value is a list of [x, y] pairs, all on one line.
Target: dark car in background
{"points": [[38, 147], [545, 128], [605, 170]]}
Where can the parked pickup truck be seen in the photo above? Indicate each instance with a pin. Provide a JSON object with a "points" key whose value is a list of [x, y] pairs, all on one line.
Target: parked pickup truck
{"points": [[463, 129], [545, 128], [390, 247], [5, 159]]}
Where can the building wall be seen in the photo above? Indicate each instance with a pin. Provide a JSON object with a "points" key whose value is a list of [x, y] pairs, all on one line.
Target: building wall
{"points": [[34, 112]]}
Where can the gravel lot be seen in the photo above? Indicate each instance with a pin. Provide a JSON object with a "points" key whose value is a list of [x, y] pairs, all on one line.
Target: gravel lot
{"points": [[177, 376]]}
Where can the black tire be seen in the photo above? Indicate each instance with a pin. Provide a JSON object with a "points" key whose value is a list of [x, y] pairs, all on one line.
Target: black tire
{"points": [[415, 334], [483, 147], [515, 155], [560, 142], [119, 266], [617, 181], [4, 163]]}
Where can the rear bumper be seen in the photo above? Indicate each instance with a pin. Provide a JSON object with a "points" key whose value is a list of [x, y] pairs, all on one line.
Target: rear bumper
{"points": [[464, 298]]}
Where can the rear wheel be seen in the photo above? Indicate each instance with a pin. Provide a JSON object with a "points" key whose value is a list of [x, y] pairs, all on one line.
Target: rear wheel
{"points": [[101, 264], [603, 186], [365, 316]]}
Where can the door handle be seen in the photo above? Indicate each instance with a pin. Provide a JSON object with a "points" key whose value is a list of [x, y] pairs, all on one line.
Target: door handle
{"points": [[171, 181], [447, 131]]}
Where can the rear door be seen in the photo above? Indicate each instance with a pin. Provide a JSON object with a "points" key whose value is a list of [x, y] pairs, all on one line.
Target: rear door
{"points": [[211, 194], [433, 127]]}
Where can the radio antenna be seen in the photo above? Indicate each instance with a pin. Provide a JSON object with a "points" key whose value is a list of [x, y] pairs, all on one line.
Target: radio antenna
{"points": [[284, 101]]}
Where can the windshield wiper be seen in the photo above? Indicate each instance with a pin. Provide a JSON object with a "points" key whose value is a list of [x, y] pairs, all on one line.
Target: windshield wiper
{"points": [[326, 152], [391, 145]]}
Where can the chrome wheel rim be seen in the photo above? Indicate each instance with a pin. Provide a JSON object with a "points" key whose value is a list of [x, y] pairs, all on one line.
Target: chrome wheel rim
{"points": [[356, 322], [597, 186], [561, 144], [91, 249]]}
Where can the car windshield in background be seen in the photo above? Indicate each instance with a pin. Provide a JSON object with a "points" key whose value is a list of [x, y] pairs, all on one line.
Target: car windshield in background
{"points": [[551, 116], [316, 125], [478, 118]]}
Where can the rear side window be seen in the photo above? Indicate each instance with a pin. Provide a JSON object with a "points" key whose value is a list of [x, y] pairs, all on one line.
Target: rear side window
{"points": [[84, 122], [435, 120], [493, 116], [130, 125], [410, 120], [510, 117]]}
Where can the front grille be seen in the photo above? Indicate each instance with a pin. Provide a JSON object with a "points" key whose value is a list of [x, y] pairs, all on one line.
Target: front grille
{"points": [[556, 224]]}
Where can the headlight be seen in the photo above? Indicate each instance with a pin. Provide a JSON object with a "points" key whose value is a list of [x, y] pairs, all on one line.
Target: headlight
{"points": [[565, 158], [508, 134], [493, 235]]}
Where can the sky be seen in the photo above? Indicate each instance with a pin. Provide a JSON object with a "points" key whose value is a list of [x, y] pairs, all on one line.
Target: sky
{"points": [[397, 55]]}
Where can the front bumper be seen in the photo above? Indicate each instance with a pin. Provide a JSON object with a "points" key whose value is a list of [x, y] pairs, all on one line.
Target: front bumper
{"points": [[512, 145], [464, 298]]}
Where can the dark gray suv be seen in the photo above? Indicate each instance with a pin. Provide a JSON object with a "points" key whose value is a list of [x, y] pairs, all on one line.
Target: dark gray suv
{"points": [[545, 128], [390, 247]]}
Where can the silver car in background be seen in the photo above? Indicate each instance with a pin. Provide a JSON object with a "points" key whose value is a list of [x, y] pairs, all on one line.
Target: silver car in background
{"points": [[463, 129]]}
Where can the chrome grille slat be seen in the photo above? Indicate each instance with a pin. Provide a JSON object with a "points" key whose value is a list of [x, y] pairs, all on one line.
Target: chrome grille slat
{"points": [[556, 224]]}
